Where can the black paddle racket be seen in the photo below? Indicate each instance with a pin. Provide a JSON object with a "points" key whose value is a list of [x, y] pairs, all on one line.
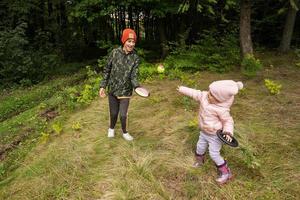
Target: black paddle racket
{"points": [[141, 91], [222, 137]]}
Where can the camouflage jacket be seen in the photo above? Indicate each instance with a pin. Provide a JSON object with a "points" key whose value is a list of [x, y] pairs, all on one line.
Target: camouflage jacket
{"points": [[120, 75]]}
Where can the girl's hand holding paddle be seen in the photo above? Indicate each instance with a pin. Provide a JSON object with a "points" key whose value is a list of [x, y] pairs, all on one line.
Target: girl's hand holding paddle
{"points": [[102, 93], [227, 136]]}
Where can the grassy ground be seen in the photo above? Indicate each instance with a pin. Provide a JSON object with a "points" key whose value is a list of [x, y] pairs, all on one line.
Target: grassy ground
{"points": [[85, 164]]}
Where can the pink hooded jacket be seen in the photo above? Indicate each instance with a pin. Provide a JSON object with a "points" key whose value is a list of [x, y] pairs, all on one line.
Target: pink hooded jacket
{"points": [[213, 117]]}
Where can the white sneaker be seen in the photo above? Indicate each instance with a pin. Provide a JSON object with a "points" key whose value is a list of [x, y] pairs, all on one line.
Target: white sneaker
{"points": [[127, 136], [111, 133]]}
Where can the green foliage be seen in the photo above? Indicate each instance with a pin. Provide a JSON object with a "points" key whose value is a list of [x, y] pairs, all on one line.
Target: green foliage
{"points": [[57, 127], [15, 104], [273, 88], [209, 54], [187, 103], [15, 61], [193, 124], [44, 138], [76, 126], [250, 65], [147, 71], [249, 158], [86, 96], [2, 169], [83, 94], [18, 101], [104, 44], [175, 74], [21, 64], [73, 93], [34, 113]]}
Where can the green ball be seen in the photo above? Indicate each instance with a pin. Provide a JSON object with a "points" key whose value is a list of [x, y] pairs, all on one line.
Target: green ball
{"points": [[160, 69]]}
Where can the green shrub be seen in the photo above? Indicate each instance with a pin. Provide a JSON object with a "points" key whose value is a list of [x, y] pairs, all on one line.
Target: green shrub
{"points": [[57, 127], [273, 88], [86, 96], [20, 61], [175, 74], [146, 71], [15, 60], [19, 101], [250, 66], [209, 53]]}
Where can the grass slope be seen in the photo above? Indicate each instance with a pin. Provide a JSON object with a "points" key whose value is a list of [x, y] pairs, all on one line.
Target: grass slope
{"points": [[85, 164]]}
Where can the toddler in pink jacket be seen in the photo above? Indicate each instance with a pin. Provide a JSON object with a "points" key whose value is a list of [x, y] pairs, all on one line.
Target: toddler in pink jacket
{"points": [[214, 114]]}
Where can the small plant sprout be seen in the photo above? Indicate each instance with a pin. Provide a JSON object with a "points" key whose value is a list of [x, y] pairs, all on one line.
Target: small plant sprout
{"points": [[274, 88], [57, 127], [44, 137], [76, 126]]}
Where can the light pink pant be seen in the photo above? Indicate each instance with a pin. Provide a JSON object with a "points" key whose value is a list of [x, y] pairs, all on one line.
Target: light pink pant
{"points": [[214, 145]]}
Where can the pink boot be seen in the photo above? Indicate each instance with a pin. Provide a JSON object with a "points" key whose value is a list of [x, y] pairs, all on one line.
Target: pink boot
{"points": [[199, 160], [224, 174]]}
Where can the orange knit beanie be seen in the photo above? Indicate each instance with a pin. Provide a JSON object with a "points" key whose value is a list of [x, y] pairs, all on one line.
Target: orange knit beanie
{"points": [[128, 34]]}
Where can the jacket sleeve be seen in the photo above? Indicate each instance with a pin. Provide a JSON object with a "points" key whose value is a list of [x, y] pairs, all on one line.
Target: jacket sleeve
{"points": [[106, 71], [195, 94], [134, 74], [227, 121]]}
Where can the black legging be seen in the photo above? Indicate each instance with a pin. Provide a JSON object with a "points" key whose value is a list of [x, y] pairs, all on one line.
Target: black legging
{"points": [[116, 105]]}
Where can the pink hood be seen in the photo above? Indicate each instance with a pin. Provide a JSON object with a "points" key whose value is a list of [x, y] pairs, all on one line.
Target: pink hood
{"points": [[224, 91]]}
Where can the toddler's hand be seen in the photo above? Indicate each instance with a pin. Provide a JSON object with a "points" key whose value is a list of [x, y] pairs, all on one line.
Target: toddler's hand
{"points": [[228, 136]]}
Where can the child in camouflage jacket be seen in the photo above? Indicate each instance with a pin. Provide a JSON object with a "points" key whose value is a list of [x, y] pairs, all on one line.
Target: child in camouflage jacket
{"points": [[120, 77]]}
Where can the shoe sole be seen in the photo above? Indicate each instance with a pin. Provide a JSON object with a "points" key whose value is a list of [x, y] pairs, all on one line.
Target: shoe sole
{"points": [[128, 140], [228, 180]]}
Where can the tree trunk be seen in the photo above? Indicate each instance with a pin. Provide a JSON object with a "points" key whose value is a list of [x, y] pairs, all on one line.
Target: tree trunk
{"points": [[146, 23], [123, 22], [162, 37], [130, 17], [42, 14], [245, 28], [63, 15], [117, 25], [120, 26], [288, 30], [50, 8], [137, 25], [110, 34]]}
